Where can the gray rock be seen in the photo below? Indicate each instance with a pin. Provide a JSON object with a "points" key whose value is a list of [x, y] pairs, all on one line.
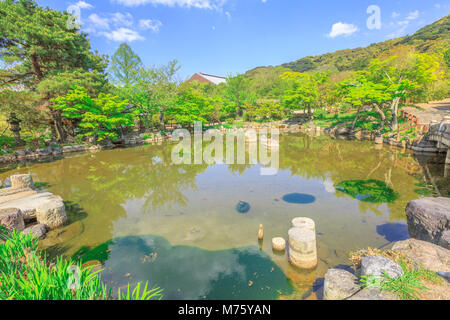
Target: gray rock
{"points": [[38, 231], [372, 294], [21, 181], [378, 140], [375, 265], [52, 213], [429, 255], [444, 241], [428, 218], [339, 284], [12, 219]]}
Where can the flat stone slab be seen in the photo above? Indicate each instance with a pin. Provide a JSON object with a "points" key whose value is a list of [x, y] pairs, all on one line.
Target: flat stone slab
{"points": [[28, 202], [10, 194], [430, 256]]}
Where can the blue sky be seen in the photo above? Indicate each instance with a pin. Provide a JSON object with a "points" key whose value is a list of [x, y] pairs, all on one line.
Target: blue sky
{"points": [[232, 36]]}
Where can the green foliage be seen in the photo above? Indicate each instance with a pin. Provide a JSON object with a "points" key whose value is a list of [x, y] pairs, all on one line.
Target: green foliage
{"points": [[6, 142], [303, 92], [406, 286], [101, 117], [137, 294], [429, 39], [25, 274], [125, 66], [368, 190]]}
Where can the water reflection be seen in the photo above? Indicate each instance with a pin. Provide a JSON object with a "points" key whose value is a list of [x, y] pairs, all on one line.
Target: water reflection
{"points": [[138, 191], [393, 231], [299, 198], [189, 272]]}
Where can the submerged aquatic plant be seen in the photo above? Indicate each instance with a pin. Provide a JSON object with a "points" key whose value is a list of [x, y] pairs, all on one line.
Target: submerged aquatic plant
{"points": [[25, 274], [368, 190]]}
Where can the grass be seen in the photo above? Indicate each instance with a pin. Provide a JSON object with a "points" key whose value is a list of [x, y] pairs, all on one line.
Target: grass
{"points": [[407, 286], [25, 274], [367, 120]]}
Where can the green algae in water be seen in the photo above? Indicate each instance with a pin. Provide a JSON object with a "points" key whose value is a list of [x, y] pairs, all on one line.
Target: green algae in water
{"points": [[368, 190], [186, 272]]}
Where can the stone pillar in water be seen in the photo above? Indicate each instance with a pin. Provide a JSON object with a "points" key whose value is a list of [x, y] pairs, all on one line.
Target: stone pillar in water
{"points": [[302, 248], [302, 222]]}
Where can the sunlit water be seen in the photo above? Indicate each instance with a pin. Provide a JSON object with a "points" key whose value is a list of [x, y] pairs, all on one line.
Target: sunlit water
{"points": [[178, 227]]}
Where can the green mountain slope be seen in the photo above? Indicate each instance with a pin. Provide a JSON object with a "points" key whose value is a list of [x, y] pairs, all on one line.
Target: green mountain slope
{"points": [[433, 38]]}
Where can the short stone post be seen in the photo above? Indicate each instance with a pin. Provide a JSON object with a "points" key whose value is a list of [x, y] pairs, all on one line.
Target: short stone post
{"points": [[22, 181], [303, 222], [302, 248], [278, 244]]}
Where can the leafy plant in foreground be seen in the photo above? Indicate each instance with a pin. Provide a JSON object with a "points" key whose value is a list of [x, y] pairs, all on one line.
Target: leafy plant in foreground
{"points": [[25, 274]]}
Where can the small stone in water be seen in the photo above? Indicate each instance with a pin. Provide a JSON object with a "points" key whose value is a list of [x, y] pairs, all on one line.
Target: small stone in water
{"points": [[242, 207]]}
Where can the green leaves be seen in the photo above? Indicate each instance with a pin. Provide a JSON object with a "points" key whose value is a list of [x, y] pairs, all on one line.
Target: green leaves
{"points": [[25, 274], [101, 117]]}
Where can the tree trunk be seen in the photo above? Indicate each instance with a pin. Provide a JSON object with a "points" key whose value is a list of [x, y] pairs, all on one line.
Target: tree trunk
{"points": [[381, 113], [356, 118], [394, 110], [58, 125]]}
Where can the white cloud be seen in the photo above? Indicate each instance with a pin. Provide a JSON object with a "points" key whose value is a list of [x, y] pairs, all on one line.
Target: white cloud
{"points": [[200, 4], [413, 15], [123, 35], [228, 15], [99, 22], [339, 29], [83, 5], [120, 19], [148, 24], [395, 14]]}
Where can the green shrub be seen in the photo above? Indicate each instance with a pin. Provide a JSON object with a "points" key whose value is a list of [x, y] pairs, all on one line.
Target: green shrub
{"points": [[6, 142], [25, 274]]}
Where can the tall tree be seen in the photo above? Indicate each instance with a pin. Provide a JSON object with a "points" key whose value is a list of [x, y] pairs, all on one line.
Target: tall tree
{"points": [[125, 66], [237, 91], [37, 43], [303, 93]]}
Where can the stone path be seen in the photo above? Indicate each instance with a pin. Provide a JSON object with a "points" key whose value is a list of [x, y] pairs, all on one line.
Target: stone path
{"points": [[434, 110]]}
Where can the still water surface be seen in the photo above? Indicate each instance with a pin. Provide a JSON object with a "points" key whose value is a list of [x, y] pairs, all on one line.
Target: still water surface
{"points": [[179, 227]]}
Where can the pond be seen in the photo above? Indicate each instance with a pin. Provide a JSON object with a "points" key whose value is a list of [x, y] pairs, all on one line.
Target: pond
{"points": [[193, 229]]}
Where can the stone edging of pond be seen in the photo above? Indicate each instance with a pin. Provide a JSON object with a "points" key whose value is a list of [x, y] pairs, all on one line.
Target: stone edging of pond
{"points": [[421, 145], [429, 226]]}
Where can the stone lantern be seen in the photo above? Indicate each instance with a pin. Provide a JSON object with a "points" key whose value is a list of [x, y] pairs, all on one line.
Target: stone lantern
{"points": [[14, 124]]}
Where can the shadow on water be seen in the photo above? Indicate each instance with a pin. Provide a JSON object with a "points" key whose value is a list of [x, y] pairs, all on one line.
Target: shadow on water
{"points": [[393, 231], [299, 198], [186, 272]]}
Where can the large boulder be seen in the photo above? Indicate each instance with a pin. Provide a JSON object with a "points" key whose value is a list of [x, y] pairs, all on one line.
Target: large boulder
{"points": [[37, 230], [52, 214], [372, 294], [22, 181], [375, 265], [428, 218], [339, 284], [430, 256], [12, 219]]}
